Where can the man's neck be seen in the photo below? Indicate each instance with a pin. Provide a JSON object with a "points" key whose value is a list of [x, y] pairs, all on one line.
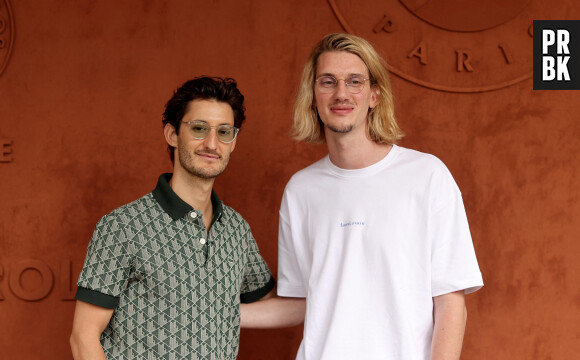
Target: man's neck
{"points": [[194, 191], [353, 151]]}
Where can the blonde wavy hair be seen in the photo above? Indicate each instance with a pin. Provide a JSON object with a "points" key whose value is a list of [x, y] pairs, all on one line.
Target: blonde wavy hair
{"points": [[382, 124]]}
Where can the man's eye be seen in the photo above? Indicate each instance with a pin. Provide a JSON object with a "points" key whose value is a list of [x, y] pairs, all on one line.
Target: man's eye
{"points": [[198, 128], [356, 81], [327, 81], [225, 131]]}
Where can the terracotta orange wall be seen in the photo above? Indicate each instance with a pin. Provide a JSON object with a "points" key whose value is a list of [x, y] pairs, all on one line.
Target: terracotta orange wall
{"points": [[81, 99]]}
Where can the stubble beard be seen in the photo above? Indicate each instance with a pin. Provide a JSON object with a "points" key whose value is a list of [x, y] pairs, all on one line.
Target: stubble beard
{"points": [[337, 129], [340, 130], [187, 161]]}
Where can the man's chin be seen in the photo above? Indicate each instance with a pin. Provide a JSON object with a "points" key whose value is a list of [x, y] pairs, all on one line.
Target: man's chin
{"points": [[340, 129], [207, 174]]}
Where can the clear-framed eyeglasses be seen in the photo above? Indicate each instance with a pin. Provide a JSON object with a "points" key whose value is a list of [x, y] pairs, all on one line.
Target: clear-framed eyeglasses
{"points": [[200, 130], [327, 83]]}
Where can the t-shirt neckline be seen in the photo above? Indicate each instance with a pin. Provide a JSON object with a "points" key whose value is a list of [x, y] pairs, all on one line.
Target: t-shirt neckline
{"points": [[366, 171]]}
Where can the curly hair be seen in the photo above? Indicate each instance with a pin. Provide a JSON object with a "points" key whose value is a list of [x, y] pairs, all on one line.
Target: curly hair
{"points": [[203, 88]]}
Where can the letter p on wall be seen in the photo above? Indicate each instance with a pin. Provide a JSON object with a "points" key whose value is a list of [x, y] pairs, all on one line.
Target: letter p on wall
{"points": [[556, 54]]}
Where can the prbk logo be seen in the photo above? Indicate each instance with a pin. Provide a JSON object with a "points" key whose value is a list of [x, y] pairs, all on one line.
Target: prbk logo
{"points": [[556, 54]]}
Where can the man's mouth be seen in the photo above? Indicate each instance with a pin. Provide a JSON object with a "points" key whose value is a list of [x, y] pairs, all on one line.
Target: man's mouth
{"points": [[209, 155], [341, 109]]}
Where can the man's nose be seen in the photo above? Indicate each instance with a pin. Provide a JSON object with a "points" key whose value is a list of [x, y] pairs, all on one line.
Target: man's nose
{"points": [[211, 140], [341, 91]]}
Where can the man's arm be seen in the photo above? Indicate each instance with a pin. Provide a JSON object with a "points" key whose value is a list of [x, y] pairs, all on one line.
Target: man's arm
{"points": [[450, 316], [273, 312], [89, 323]]}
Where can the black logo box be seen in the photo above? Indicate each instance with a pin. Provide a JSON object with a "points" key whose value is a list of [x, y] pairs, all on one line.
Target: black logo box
{"points": [[573, 28]]}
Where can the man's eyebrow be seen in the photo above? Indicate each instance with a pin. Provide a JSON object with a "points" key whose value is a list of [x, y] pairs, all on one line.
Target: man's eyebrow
{"points": [[205, 122], [334, 76]]}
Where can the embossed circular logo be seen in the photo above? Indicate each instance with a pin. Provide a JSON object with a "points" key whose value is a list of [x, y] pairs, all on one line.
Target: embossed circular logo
{"points": [[453, 45], [6, 33]]}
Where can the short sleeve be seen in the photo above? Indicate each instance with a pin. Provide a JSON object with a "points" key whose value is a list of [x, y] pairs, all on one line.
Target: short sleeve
{"points": [[258, 280], [290, 274], [107, 266], [454, 264]]}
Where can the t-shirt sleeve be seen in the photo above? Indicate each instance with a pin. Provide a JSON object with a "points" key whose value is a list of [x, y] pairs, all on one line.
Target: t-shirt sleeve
{"points": [[290, 269], [107, 266], [454, 264], [258, 280]]}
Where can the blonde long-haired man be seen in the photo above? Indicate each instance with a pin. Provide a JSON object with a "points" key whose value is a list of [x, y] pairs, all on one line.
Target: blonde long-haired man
{"points": [[373, 236]]}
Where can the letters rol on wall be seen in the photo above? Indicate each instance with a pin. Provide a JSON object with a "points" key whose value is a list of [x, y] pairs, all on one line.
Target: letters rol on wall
{"points": [[34, 280]]}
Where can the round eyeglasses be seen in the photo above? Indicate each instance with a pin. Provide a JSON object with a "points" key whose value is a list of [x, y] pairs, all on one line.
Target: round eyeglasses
{"points": [[327, 83], [200, 130]]}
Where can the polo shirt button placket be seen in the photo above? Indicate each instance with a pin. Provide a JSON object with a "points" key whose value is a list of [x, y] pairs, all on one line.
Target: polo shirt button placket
{"points": [[194, 217]]}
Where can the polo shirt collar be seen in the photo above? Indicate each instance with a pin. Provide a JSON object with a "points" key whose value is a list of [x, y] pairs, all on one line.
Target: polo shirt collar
{"points": [[174, 206]]}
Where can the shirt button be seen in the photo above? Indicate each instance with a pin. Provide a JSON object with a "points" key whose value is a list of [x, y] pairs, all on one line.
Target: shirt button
{"points": [[202, 241], [193, 215]]}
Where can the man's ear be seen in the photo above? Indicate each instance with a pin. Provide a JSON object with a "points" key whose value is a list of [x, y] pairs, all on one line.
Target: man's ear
{"points": [[375, 96], [170, 135]]}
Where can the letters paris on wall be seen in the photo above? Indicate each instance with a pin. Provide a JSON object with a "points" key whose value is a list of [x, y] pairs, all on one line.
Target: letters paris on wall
{"points": [[462, 46]]}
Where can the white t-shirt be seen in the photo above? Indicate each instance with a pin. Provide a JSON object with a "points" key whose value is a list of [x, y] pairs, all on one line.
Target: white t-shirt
{"points": [[369, 249]]}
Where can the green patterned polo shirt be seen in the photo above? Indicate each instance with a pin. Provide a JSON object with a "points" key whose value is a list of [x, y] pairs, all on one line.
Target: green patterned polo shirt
{"points": [[176, 289]]}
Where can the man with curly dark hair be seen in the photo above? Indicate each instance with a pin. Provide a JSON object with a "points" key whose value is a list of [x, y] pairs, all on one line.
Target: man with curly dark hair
{"points": [[164, 276]]}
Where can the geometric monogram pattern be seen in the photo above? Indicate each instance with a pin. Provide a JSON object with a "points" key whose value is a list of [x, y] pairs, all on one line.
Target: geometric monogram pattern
{"points": [[178, 287]]}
